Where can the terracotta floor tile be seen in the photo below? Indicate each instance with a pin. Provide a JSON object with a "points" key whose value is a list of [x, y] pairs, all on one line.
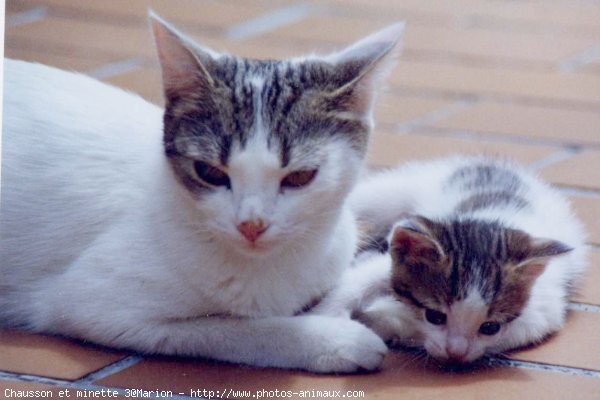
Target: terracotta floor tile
{"points": [[574, 126], [80, 38], [559, 13], [501, 44], [581, 88], [555, 13], [570, 346], [588, 209], [201, 14], [582, 170], [50, 356], [390, 149], [395, 109], [589, 291], [591, 68], [68, 63], [89, 43], [144, 81], [13, 7], [318, 28], [544, 46], [400, 377]]}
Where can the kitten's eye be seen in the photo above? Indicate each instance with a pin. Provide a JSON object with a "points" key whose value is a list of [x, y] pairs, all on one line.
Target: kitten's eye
{"points": [[435, 317], [298, 179], [489, 328], [212, 175]]}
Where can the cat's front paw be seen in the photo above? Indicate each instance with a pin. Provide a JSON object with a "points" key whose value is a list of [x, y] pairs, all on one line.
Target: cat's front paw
{"points": [[347, 346]]}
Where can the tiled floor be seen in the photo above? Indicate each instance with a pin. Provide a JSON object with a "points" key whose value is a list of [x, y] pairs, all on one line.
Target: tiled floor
{"points": [[517, 78]]}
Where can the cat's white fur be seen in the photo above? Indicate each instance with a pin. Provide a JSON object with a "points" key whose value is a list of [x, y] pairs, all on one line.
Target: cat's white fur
{"points": [[419, 188], [99, 241]]}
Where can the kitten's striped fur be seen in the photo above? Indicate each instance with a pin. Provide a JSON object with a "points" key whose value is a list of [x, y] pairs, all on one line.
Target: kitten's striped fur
{"points": [[483, 258]]}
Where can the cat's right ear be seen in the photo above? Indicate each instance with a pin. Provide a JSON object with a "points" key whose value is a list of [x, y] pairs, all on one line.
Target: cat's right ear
{"points": [[413, 243], [363, 66], [538, 254], [184, 65]]}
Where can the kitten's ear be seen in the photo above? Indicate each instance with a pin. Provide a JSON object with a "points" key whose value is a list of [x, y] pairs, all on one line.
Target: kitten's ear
{"points": [[364, 65], [539, 253], [184, 65], [413, 242]]}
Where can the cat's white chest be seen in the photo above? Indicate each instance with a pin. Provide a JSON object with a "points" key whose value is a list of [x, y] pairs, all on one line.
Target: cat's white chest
{"points": [[280, 286]]}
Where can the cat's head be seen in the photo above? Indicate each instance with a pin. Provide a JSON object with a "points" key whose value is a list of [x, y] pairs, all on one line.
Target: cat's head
{"points": [[268, 150], [466, 281]]}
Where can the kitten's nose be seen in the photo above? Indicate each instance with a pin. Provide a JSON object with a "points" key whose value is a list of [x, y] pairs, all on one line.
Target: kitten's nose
{"points": [[454, 356], [457, 348], [252, 229]]}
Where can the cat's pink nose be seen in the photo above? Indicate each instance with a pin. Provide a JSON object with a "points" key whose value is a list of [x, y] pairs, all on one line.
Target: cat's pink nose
{"points": [[252, 229]]}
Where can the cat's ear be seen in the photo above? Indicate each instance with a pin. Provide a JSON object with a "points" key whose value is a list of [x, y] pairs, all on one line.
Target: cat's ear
{"points": [[413, 242], [539, 252], [363, 66], [184, 65]]}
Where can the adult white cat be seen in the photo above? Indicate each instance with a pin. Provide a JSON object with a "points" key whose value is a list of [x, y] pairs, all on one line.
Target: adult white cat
{"points": [[204, 238]]}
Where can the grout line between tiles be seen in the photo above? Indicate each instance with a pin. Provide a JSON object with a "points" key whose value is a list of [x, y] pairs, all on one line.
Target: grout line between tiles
{"points": [[536, 366], [580, 192], [33, 378], [26, 17], [576, 306], [110, 369], [508, 24], [115, 68], [490, 23], [436, 115], [554, 158], [441, 93], [269, 21], [473, 60], [581, 59], [497, 137]]}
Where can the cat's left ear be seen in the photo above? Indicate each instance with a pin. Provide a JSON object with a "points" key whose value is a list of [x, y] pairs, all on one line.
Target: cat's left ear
{"points": [[184, 64], [363, 66], [413, 242], [539, 253]]}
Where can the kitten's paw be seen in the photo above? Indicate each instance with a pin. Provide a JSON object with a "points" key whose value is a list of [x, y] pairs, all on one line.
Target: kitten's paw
{"points": [[347, 346]]}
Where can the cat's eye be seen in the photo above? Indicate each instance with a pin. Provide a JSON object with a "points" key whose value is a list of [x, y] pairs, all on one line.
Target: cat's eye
{"points": [[212, 175], [298, 179], [435, 317], [489, 328]]}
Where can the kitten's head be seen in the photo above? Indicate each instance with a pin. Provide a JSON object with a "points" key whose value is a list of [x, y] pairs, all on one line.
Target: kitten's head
{"points": [[465, 280], [268, 150]]}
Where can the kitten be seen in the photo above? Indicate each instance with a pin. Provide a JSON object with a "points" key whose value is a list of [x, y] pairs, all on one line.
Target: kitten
{"points": [[483, 258], [208, 242]]}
